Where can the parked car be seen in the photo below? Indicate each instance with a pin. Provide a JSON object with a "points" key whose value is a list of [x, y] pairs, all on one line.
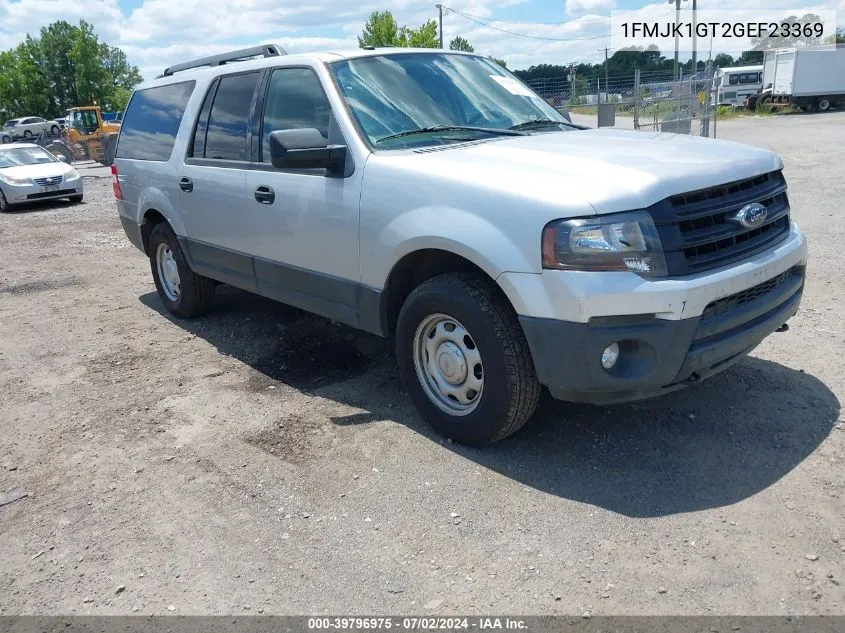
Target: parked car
{"points": [[29, 127], [29, 173], [430, 197]]}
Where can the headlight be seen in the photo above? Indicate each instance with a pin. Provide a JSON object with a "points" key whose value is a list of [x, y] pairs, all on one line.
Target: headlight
{"points": [[15, 181], [72, 175], [622, 241]]}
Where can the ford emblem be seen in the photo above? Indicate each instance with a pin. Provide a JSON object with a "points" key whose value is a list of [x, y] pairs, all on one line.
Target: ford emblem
{"points": [[751, 215]]}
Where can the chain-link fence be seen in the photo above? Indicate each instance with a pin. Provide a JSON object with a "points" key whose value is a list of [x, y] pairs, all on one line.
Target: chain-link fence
{"points": [[640, 101]]}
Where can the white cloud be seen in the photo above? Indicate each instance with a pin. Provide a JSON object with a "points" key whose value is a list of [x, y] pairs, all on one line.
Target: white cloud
{"points": [[582, 7], [163, 32]]}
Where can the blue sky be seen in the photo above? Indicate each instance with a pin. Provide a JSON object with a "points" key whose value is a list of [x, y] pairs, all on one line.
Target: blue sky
{"points": [[157, 33]]}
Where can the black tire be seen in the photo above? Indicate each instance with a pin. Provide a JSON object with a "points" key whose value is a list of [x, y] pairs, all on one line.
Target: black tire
{"points": [[4, 204], [6, 139], [823, 104], [196, 293], [27, 134], [511, 390], [77, 199], [54, 130]]}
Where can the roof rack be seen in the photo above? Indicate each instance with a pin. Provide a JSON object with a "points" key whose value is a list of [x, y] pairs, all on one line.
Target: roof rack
{"points": [[265, 50]]}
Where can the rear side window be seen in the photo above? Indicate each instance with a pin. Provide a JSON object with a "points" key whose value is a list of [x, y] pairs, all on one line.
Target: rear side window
{"points": [[151, 122], [228, 121]]}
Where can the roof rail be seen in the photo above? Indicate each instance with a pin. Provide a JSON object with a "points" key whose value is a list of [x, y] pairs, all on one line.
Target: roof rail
{"points": [[265, 50]]}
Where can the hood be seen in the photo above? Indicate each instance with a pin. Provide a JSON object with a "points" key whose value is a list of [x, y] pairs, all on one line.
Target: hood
{"points": [[611, 170], [42, 170]]}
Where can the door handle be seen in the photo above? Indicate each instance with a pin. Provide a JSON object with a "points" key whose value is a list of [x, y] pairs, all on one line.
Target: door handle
{"points": [[265, 194], [186, 184]]}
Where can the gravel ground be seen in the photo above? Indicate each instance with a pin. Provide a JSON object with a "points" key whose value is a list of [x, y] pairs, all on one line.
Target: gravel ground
{"points": [[260, 460]]}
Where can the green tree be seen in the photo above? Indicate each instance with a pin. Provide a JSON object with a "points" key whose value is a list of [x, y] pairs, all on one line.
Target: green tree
{"points": [[723, 60], [379, 30], [749, 58], [423, 37], [461, 44], [501, 62], [765, 42], [66, 66]]}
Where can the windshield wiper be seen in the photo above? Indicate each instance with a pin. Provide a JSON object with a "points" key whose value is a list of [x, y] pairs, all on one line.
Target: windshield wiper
{"points": [[527, 125], [452, 128]]}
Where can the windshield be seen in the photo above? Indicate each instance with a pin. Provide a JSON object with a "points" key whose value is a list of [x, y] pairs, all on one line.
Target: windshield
{"points": [[392, 94], [83, 120], [18, 156]]}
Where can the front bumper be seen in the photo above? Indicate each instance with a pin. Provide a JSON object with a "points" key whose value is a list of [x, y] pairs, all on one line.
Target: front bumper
{"points": [[23, 194], [658, 355]]}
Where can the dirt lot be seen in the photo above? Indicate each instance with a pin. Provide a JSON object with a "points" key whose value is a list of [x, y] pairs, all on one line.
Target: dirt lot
{"points": [[262, 460]]}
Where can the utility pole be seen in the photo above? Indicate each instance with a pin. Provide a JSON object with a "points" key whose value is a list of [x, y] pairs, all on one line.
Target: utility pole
{"points": [[694, 36], [677, 22], [606, 89], [440, 9]]}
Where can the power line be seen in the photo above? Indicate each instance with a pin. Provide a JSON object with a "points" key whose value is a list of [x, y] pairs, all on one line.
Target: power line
{"points": [[535, 37], [479, 17]]}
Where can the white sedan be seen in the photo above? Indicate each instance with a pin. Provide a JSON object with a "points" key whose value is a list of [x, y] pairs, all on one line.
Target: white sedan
{"points": [[29, 173], [29, 127]]}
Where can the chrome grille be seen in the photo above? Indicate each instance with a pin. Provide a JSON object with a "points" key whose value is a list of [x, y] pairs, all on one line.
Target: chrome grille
{"points": [[50, 180]]}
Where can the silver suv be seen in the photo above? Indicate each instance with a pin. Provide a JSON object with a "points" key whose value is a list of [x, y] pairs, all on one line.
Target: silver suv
{"points": [[430, 196]]}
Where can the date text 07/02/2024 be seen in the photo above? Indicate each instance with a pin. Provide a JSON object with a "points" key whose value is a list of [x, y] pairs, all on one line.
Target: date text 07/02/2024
{"points": [[776, 30], [415, 623]]}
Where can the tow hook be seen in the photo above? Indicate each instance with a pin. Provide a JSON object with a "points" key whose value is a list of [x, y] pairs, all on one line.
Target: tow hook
{"points": [[783, 328]]}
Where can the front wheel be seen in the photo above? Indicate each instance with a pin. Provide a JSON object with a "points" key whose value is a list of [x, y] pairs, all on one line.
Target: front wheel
{"points": [[54, 130], [464, 359], [27, 134], [6, 139], [4, 204], [184, 293]]}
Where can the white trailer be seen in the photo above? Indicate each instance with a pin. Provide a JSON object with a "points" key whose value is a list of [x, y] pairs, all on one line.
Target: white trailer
{"points": [[808, 78]]}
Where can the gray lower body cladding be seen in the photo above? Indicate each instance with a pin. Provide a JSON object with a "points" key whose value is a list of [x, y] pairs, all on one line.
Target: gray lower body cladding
{"points": [[657, 355]]}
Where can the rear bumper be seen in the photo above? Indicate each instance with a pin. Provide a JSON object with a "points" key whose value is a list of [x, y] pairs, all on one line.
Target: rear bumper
{"points": [[658, 355]]}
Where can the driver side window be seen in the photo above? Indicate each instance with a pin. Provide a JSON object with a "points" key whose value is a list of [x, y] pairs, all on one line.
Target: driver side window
{"points": [[295, 99]]}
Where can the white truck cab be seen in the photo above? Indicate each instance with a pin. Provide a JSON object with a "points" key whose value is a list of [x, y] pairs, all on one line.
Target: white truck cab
{"points": [[431, 197]]}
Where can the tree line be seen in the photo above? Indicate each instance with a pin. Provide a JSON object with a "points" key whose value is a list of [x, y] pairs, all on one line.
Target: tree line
{"points": [[381, 29], [65, 66]]}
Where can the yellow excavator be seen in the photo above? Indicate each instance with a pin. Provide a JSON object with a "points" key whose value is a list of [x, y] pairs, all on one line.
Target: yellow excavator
{"points": [[86, 136]]}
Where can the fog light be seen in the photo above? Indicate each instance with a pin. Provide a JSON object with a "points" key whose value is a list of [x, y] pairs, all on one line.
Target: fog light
{"points": [[610, 355]]}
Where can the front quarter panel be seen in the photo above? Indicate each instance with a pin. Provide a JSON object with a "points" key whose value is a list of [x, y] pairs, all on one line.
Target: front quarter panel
{"points": [[408, 204]]}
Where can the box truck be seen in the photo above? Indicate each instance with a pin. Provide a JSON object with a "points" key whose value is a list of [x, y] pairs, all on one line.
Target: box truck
{"points": [[810, 78]]}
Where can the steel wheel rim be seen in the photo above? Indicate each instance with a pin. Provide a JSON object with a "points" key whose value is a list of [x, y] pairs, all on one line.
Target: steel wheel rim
{"points": [[27, 134], [824, 104], [168, 272], [448, 364]]}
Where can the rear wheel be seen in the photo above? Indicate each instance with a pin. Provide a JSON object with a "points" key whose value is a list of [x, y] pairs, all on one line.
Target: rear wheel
{"points": [[6, 139], [4, 205], [464, 359], [823, 104], [27, 134], [54, 130], [184, 293]]}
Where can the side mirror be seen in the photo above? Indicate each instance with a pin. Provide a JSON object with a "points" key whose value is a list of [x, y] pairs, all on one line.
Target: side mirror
{"points": [[304, 148]]}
